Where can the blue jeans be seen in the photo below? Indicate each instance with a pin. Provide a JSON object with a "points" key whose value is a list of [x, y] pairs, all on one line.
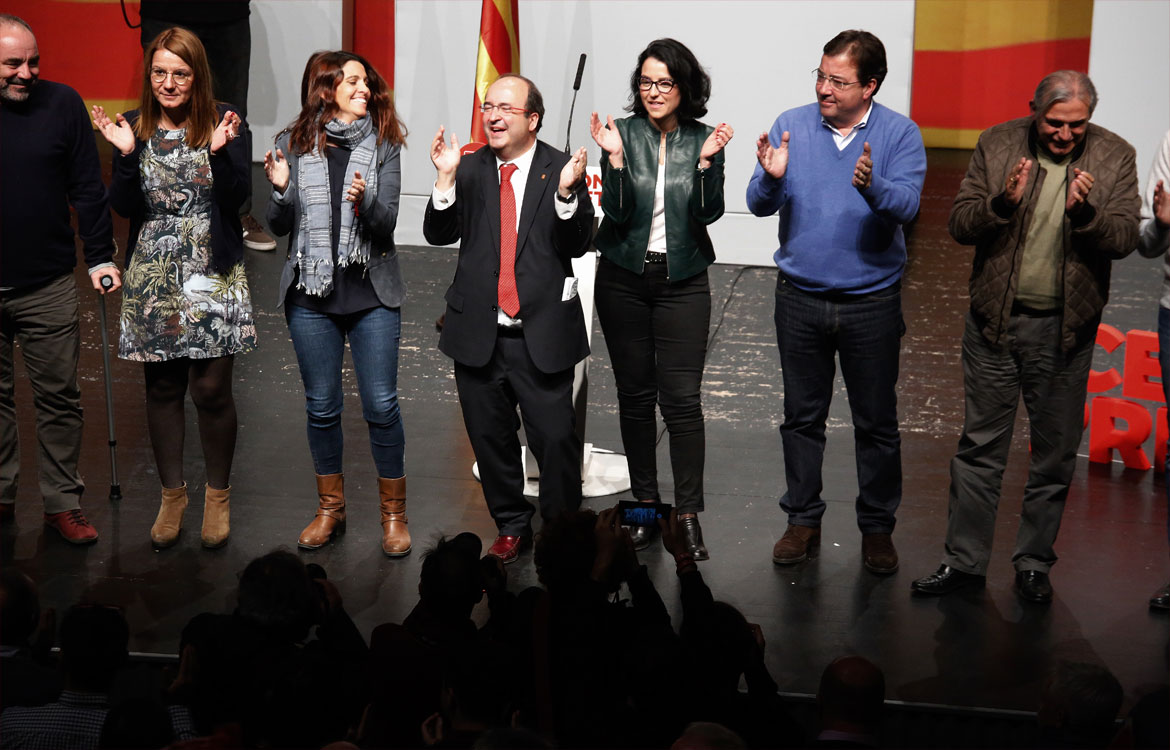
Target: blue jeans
{"points": [[319, 340], [865, 331], [1164, 361]]}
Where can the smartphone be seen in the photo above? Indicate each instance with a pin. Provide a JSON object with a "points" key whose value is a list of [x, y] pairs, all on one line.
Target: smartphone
{"points": [[634, 513]]}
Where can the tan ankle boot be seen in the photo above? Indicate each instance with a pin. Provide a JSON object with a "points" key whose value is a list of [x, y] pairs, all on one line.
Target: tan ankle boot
{"points": [[395, 535], [169, 521], [216, 512], [330, 518]]}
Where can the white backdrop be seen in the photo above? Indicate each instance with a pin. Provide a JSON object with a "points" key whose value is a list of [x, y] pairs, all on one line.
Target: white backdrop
{"points": [[758, 55]]}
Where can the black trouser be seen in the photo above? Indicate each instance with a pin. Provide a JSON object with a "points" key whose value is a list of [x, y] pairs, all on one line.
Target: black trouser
{"points": [[656, 331], [229, 53]]}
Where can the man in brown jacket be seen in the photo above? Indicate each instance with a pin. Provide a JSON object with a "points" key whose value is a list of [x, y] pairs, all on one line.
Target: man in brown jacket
{"points": [[1049, 201]]}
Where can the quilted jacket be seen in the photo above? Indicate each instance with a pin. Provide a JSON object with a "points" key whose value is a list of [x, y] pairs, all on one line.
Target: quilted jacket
{"points": [[1105, 230]]}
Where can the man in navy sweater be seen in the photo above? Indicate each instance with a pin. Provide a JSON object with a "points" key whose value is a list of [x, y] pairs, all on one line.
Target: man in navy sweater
{"points": [[48, 161], [844, 173]]}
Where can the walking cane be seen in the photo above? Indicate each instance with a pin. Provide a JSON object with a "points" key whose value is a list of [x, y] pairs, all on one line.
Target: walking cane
{"points": [[115, 488]]}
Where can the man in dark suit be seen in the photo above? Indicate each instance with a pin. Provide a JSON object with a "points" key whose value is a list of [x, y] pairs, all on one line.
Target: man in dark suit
{"points": [[514, 325]]}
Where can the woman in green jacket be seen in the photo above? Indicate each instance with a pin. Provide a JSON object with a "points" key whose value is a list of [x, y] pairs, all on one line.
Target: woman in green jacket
{"points": [[662, 184]]}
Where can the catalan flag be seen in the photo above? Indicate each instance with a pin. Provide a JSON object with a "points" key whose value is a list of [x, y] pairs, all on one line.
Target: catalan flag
{"points": [[977, 62], [499, 53]]}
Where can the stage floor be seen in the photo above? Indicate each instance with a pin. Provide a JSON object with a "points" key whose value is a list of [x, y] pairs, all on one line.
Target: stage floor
{"points": [[980, 648]]}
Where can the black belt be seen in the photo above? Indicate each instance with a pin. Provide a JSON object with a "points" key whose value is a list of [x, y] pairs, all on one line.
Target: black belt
{"points": [[655, 257], [510, 332], [1019, 308]]}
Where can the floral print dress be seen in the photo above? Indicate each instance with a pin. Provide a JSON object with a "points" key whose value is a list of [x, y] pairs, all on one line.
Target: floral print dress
{"points": [[173, 304]]}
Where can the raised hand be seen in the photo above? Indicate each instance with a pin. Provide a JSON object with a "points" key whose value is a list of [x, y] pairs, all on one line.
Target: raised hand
{"points": [[356, 189], [119, 133], [608, 137], [1161, 205], [1078, 191], [863, 171], [572, 173], [773, 160], [1017, 180], [715, 143], [445, 158], [276, 170], [226, 132]]}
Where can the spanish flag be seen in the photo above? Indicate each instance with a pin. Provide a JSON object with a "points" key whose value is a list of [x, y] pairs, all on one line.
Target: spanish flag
{"points": [[499, 53], [977, 62]]}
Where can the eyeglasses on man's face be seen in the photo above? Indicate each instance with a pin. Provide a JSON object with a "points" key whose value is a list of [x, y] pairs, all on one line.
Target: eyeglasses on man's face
{"points": [[504, 109], [836, 83], [665, 86], [180, 77]]}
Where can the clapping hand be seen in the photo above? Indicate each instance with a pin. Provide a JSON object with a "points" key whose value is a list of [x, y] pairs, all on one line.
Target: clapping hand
{"points": [[276, 170], [1078, 191], [863, 171], [118, 132], [445, 158], [356, 189], [226, 132], [608, 138], [715, 143], [572, 173], [773, 160], [1017, 180], [1161, 205]]}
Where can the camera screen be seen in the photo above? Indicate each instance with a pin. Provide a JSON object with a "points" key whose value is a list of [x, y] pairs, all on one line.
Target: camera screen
{"points": [[645, 516]]}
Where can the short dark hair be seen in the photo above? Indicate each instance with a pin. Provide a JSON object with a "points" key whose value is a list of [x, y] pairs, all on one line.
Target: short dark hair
{"points": [[95, 641], [7, 19], [535, 101], [865, 50], [451, 581], [1088, 697], [694, 85], [20, 608], [277, 594]]}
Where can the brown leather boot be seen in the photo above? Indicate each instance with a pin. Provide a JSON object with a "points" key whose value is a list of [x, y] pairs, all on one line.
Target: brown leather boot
{"points": [[216, 512], [330, 518], [169, 521], [395, 535], [797, 545]]}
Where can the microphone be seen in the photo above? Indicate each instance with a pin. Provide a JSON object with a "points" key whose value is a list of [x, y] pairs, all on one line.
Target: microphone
{"points": [[576, 88]]}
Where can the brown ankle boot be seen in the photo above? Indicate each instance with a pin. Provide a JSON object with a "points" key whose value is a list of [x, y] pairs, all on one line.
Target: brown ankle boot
{"points": [[216, 512], [169, 521], [395, 535], [330, 518]]}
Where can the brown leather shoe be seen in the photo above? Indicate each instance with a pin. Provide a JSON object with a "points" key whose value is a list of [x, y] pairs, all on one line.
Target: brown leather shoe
{"points": [[878, 554], [796, 544], [330, 518], [395, 535], [216, 517], [169, 521]]}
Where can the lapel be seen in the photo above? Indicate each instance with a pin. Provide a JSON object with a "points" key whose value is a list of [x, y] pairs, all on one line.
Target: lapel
{"points": [[490, 193], [535, 191]]}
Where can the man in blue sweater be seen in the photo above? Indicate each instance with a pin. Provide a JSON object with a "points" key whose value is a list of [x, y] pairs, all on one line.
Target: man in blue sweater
{"points": [[48, 161], [844, 173]]}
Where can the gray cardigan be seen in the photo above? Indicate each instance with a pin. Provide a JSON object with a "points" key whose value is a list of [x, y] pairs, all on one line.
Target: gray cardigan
{"points": [[378, 212]]}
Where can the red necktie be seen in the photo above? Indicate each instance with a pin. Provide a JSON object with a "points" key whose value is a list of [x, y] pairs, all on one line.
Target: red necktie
{"points": [[506, 291]]}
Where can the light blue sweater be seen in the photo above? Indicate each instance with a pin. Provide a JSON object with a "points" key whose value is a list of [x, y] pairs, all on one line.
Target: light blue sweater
{"points": [[834, 237]]}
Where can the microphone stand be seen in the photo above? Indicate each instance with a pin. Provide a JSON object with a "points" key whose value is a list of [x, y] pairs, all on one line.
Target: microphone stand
{"points": [[573, 105]]}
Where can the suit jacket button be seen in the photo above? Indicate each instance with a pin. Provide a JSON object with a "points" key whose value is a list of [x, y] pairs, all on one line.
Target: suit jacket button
{"points": [[493, 308], [495, 273]]}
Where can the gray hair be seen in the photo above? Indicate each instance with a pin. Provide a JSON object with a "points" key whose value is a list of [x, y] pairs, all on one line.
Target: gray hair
{"points": [[1063, 86], [7, 19]]}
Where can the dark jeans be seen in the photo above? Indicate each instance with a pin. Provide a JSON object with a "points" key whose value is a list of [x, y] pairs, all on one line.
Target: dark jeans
{"points": [[1164, 361], [43, 322], [319, 340], [1029, 363], [229, 54], [656, 331], [865, 332]]}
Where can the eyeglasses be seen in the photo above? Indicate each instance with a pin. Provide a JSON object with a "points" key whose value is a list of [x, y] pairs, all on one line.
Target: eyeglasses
{"points": [[180, 77], [836, 83], [665, 86], [505, 110]]}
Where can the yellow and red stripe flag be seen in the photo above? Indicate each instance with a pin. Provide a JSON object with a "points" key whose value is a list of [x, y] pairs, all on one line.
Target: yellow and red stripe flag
{"points": [[977, 62], [499, 53]]}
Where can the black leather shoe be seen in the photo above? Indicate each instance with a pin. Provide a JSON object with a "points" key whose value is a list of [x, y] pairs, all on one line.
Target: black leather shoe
{"points": [[1161, 598], [641, 536], [692, 537], [945, 580], [1033, 585]]}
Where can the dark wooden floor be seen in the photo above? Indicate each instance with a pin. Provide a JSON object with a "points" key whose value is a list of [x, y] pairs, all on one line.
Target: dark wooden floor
{"points": [[971, 649]]}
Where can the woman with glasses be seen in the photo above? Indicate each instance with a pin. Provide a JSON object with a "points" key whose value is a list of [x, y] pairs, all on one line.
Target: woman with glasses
{"points": [[335, 180], [662, 184], [180, 174]]}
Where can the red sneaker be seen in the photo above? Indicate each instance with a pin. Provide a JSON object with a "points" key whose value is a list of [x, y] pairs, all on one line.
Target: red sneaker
{"points": [[507, 548], [71, 525]]}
